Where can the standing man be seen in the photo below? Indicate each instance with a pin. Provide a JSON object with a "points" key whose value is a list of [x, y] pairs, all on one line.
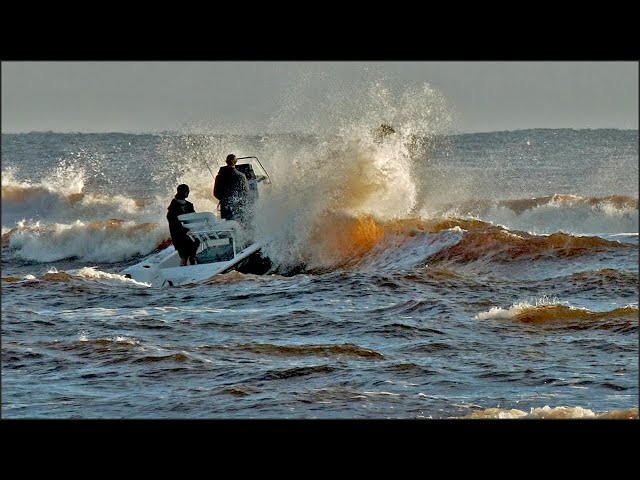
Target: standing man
{"points": [[231, 189], [185, 246]]}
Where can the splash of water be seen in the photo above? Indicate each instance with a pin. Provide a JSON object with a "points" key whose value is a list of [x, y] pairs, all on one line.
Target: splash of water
{"points": [[325, 180], [353, 171]]}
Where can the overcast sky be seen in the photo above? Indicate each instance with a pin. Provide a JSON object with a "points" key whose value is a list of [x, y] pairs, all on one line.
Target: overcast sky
{"points": [[157, 96]]}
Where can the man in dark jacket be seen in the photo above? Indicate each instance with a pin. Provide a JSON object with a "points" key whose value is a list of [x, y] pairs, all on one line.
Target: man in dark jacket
{"points": [[185, 246], [231, 189]]}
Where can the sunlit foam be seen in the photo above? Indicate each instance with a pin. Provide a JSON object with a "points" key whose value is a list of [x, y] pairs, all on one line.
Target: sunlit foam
{"points": [[108, 241], [549, 310], [548, 412], [348, 172], [94, 273], [549, 214]]}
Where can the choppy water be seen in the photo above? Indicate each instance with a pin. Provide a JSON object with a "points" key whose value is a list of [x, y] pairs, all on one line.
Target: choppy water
{"points": [[484, 275]]}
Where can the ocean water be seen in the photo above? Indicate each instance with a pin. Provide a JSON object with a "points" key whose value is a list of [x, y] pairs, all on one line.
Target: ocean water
{"points": [[415, 275]]}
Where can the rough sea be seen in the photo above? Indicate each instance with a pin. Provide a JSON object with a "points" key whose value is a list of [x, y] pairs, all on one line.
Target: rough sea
{"points": [[415, 275]]}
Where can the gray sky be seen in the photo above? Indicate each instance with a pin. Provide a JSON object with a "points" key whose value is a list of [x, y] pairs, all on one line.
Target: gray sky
{"points": [[157, 96]]}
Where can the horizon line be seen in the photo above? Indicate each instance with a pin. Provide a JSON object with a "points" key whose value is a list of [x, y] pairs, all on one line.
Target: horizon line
{"points": [[178, 132]]}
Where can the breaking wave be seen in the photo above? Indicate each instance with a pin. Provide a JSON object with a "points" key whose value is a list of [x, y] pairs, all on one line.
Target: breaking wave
{"points": [[106, 241], [548, 214], [546, 311], [553, 412], [346, 241]]}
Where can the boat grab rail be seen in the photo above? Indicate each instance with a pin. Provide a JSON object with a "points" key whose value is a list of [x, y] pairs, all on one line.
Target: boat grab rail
{"points": [[204, 226], [266, 179]]}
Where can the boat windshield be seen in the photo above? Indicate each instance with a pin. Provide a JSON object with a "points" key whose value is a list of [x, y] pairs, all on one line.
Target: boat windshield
{"points": [[259, 171]]}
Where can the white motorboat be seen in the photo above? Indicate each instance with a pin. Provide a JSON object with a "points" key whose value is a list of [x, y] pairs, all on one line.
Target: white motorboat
{"points": [[224, 245]]}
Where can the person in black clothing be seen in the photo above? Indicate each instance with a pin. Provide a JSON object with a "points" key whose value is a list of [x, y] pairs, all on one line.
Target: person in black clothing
{"points": [[232, 190], [185, 246]]}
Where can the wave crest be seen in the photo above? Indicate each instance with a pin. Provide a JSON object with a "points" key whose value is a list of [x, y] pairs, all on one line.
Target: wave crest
{"points": [[548, 214], [106, 241], [553, 412], [547, 311], [499, 244]]}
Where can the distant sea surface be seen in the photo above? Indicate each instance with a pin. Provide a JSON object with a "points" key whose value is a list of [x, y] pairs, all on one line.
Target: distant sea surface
{"points": [[488, 275]]}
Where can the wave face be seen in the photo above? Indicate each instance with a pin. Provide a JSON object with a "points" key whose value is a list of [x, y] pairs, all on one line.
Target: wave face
{"points": [[416, 273], [558, 212]]}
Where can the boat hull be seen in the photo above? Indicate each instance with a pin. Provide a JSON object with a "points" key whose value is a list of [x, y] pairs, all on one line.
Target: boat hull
{"points": [[163, 269]]}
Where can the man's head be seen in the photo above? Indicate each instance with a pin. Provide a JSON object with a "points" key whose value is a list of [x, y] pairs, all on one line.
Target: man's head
{"points": [[183, 190], [231, 160]]}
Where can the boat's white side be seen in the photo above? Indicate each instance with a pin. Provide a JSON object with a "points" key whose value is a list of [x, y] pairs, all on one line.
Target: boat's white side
{"points": [[163, 268]]}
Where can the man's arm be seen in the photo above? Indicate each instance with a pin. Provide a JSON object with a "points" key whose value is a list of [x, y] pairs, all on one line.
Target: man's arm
{"points": [[172, 214], [245, 183], [216, 190]]}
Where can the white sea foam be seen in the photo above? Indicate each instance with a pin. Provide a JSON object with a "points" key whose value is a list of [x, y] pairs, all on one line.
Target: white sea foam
{"points": [[352, 171], [542, 305], [90, 242], [94, 273], [569, 213], [548, 412], [520, 307], [578, 219]]}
